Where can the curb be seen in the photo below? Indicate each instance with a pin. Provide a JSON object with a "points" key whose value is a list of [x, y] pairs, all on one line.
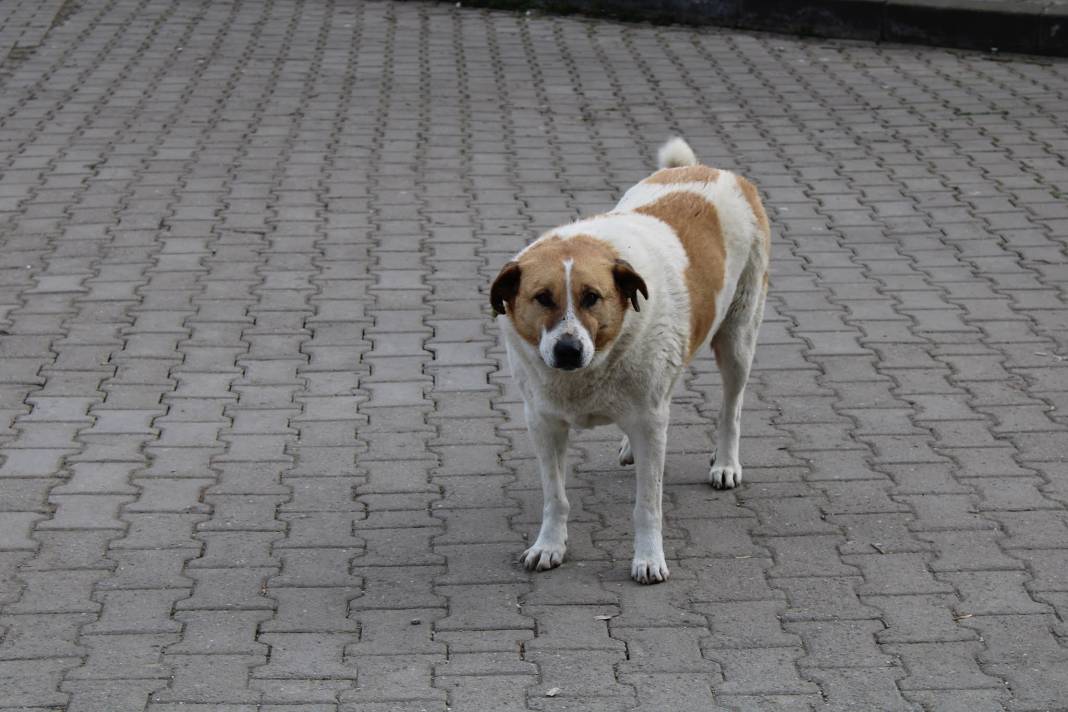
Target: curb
{"points": [[1025, 26]]}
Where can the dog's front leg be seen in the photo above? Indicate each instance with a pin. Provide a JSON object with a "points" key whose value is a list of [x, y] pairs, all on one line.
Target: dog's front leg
{"points": [[648, 439], [550, 443]]}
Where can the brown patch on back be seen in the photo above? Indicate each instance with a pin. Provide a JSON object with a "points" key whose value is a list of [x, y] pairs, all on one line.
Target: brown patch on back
{"points": [[684, 174], [542, 268], [696, 222], [752, 196]]}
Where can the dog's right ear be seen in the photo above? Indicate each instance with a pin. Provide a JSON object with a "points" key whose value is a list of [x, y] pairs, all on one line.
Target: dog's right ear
{"points": [[505, 287]]}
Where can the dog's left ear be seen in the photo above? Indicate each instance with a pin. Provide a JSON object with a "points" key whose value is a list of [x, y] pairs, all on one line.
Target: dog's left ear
{"points": [[629, 283], [505, 287]]}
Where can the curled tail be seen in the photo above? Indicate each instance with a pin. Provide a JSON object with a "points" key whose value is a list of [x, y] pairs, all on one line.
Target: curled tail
{"points": [[675, 154]]}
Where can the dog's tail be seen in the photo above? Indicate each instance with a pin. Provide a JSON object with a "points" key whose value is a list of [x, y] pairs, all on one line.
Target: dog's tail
{"points": [[675, 154]]}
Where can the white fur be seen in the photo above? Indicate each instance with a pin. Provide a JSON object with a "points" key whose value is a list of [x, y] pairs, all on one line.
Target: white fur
{"points": [[630, 382], [570, 325], [675, 154]]}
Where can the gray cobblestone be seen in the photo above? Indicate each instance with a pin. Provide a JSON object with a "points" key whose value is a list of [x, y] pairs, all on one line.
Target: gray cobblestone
{"points": [[258, 451]]}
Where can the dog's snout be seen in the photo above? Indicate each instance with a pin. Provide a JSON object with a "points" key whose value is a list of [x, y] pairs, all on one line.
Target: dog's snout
{"points": [[567, 353]]}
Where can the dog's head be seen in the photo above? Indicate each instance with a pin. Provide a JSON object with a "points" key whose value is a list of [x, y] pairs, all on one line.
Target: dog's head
{"points": [[568, 298]]}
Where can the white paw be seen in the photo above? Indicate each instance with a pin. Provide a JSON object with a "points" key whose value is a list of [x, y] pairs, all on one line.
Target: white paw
{"points": [[542, 557], [626, 455], [724, 476], [649, 569]]}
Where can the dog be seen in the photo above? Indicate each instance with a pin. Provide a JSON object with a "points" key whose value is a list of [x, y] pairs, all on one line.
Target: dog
{"points": [[601, 317]]}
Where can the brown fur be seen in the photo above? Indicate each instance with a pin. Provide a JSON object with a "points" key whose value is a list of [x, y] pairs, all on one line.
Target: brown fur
{"points": [[685, 174], [696, 222], [542, 268]]}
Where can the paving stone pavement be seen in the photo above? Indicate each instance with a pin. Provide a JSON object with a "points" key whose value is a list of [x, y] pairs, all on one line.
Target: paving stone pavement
{"points": [[259, 452]]}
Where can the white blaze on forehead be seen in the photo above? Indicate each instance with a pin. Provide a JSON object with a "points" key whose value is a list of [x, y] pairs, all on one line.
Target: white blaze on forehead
{"points": [[570, 325], [568, 264]]}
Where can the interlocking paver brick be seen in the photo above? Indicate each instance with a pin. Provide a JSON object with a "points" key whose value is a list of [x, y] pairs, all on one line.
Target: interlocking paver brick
{"points": [[391, 678], [259, 450], [942, 666], [760, 671], [896, 574], [506, 693], [219, 632], [962, 700], [866, 688], [993, 592], [124, 657], [919, 618]]}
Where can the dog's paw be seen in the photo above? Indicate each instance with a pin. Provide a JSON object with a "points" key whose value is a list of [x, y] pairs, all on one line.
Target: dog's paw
{"points": [[542, 557], [724, 476], [626, 455], [649, 569]]}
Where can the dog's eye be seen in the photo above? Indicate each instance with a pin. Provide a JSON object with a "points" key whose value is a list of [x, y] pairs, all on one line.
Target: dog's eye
{"points": [[544, 298], [589, 299]]}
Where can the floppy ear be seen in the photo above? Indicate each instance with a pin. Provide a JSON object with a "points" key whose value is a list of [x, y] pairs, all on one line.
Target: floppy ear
{"points": [[505, 287], [629, 282]]}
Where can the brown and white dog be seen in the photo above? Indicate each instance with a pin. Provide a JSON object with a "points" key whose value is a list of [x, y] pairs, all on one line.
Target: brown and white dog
{"points": [[600, 317]]}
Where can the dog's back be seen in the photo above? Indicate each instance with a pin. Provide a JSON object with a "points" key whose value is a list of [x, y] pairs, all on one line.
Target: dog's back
{"points": [[718, 218]]}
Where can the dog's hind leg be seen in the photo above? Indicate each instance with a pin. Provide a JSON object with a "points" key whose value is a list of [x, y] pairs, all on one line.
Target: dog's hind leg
{"points": [[626, 453], [734, 344], [550, 444]]}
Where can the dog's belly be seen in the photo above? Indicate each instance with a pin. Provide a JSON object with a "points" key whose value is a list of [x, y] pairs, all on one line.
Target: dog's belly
{"points": [[586, 421]]}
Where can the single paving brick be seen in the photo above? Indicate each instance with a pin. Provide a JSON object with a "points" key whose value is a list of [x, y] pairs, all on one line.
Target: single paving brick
{"points": [[664, 650], [579, 673], [994, 592], [220, 632], [583, 627], [16, 528], [505, 692], [942, 666], [747, 624], [920, 618], [37, 635], [679, 690], [392, 678], [402, 587], [74, 549], [964, 551], [306, 656], [119, 695], [57, 591], [805, 554], [760, 671], [988, 700], [228, 589], [866, 688], [33, 684], [124, 657], [825, 598], [401, 631], [209, 680], [841, 644], [896, 574]]}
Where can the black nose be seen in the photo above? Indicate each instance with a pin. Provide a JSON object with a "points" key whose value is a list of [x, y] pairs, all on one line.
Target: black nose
{"points": [[568, 353]]}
